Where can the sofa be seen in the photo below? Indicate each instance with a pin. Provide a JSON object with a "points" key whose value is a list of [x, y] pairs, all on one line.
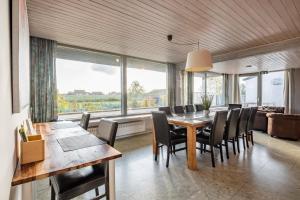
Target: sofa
{"points": [[284, 126], [261, 120]]}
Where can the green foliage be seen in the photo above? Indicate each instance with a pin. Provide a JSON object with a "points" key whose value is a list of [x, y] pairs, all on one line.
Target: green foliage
{"points": [[206, 101]]}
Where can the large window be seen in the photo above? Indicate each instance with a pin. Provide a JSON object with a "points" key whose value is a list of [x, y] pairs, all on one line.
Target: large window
{"points": [[272, 89], [215, 87], [146, 85], [248, 90], [88, 81], [199, 87], [214, 84]]}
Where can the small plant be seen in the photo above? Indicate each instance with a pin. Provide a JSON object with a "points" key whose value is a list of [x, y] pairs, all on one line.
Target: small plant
{"points": [[206, 101]]}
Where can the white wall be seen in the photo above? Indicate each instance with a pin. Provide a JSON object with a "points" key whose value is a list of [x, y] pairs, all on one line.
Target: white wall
{"points": [[296, 104], [8, 121]]}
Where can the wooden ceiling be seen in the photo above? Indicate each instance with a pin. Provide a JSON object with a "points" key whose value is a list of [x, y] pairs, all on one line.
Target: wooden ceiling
{"points": [[139, 28]]}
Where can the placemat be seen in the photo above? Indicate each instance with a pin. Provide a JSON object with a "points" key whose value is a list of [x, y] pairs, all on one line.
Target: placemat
{"points": [[79, 142], [61, 125]]}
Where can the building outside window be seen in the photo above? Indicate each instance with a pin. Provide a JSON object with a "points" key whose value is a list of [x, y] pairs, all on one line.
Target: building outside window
{"points": [[273, 88], [146, 85], [199, 87], [248, 90]]}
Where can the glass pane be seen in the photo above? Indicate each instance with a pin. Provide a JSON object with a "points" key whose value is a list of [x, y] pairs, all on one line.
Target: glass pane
{"points": [[272, 89], [215, 87], [87, 86], [146, 85], [248, 90], [199, 87]]}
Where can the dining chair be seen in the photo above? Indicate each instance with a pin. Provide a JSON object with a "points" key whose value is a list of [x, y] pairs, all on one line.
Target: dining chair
{"points": [[74, 183], [176, 129], [84, 122], [189, 108], [250, 125], [233, 106], [214, 137], [199, 107], [164, 135], [230, 129], [242, 126], [178, 110]]}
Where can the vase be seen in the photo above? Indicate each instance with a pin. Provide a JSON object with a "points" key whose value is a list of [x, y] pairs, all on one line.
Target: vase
{"points": [[206, 113]]}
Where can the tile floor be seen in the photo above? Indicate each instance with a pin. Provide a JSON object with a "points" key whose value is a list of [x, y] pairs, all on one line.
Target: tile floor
{"points": [[268, 170]]}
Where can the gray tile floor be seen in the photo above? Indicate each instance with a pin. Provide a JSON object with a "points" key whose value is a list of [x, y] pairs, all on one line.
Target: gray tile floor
{"points": [[268, 170]]}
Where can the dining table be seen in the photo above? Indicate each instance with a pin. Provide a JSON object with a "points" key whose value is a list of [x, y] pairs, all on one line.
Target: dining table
{"points": [[192, 122], [58, 161]]}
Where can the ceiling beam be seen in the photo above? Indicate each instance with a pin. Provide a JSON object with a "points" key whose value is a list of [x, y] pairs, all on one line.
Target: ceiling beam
{"points": [[258, 50]]}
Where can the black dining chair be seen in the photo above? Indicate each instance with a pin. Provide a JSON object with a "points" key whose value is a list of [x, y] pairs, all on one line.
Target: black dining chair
{"points": [[242, 127], [176, 129], [189, 108], [199, 107], [250, 125], [84, 122], [230, 129], [214, 137], [233, 106], [178, 110], [74, 183], [164, 135]]}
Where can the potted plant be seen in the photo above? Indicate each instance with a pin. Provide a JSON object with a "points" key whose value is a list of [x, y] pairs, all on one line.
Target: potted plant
{"points": [[206, 102]]}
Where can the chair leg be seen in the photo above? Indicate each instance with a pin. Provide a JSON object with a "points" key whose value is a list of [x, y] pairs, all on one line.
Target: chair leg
{"points": [[168, 156], [238, 144], [52, 193], [221, 152], [226, 148], [252, 138], [204, 148], [233, 146], [107, 189], [97, 191], [201, 148], [156, 152], [174, 149], [247, 136], [244, 145], [212, 155]]}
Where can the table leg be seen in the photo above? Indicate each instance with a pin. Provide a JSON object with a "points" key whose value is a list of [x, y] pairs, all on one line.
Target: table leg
{"points": [[153, 140], [112, 191], [191, 147]]}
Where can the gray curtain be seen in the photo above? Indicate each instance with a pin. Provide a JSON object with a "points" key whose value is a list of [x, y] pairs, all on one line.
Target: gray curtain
{"points": [[43, 91], [289, 91], [190, 87], [226, 88], [171, 84], [236, 89]]}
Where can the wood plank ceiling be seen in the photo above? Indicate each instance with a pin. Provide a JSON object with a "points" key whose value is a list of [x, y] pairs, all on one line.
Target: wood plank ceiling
{"points": [[139, 28]]}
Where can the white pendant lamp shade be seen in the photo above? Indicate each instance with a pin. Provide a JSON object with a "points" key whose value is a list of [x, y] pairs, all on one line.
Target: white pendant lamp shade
{"points": [[198, 61]]}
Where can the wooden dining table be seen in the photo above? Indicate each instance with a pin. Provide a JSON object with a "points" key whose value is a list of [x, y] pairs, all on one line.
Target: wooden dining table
{"points": [[192, 121], [58, 161]]}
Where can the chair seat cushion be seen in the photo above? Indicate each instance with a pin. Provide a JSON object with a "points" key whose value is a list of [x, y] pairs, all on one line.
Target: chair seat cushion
{"points": [[88, 177]]}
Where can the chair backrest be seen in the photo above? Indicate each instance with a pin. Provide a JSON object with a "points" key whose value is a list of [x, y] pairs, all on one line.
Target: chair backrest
{"points": [[233, 106], [107, 131], [178, 110], [251, 118], [189, 108], [243, 121], [218, 127], [231, 124], [161, 127], [84, 122], [166, 109], [199, 107]]}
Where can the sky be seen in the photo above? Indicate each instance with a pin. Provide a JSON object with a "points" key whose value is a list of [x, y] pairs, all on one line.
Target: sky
{"points": [[103, 78]]}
